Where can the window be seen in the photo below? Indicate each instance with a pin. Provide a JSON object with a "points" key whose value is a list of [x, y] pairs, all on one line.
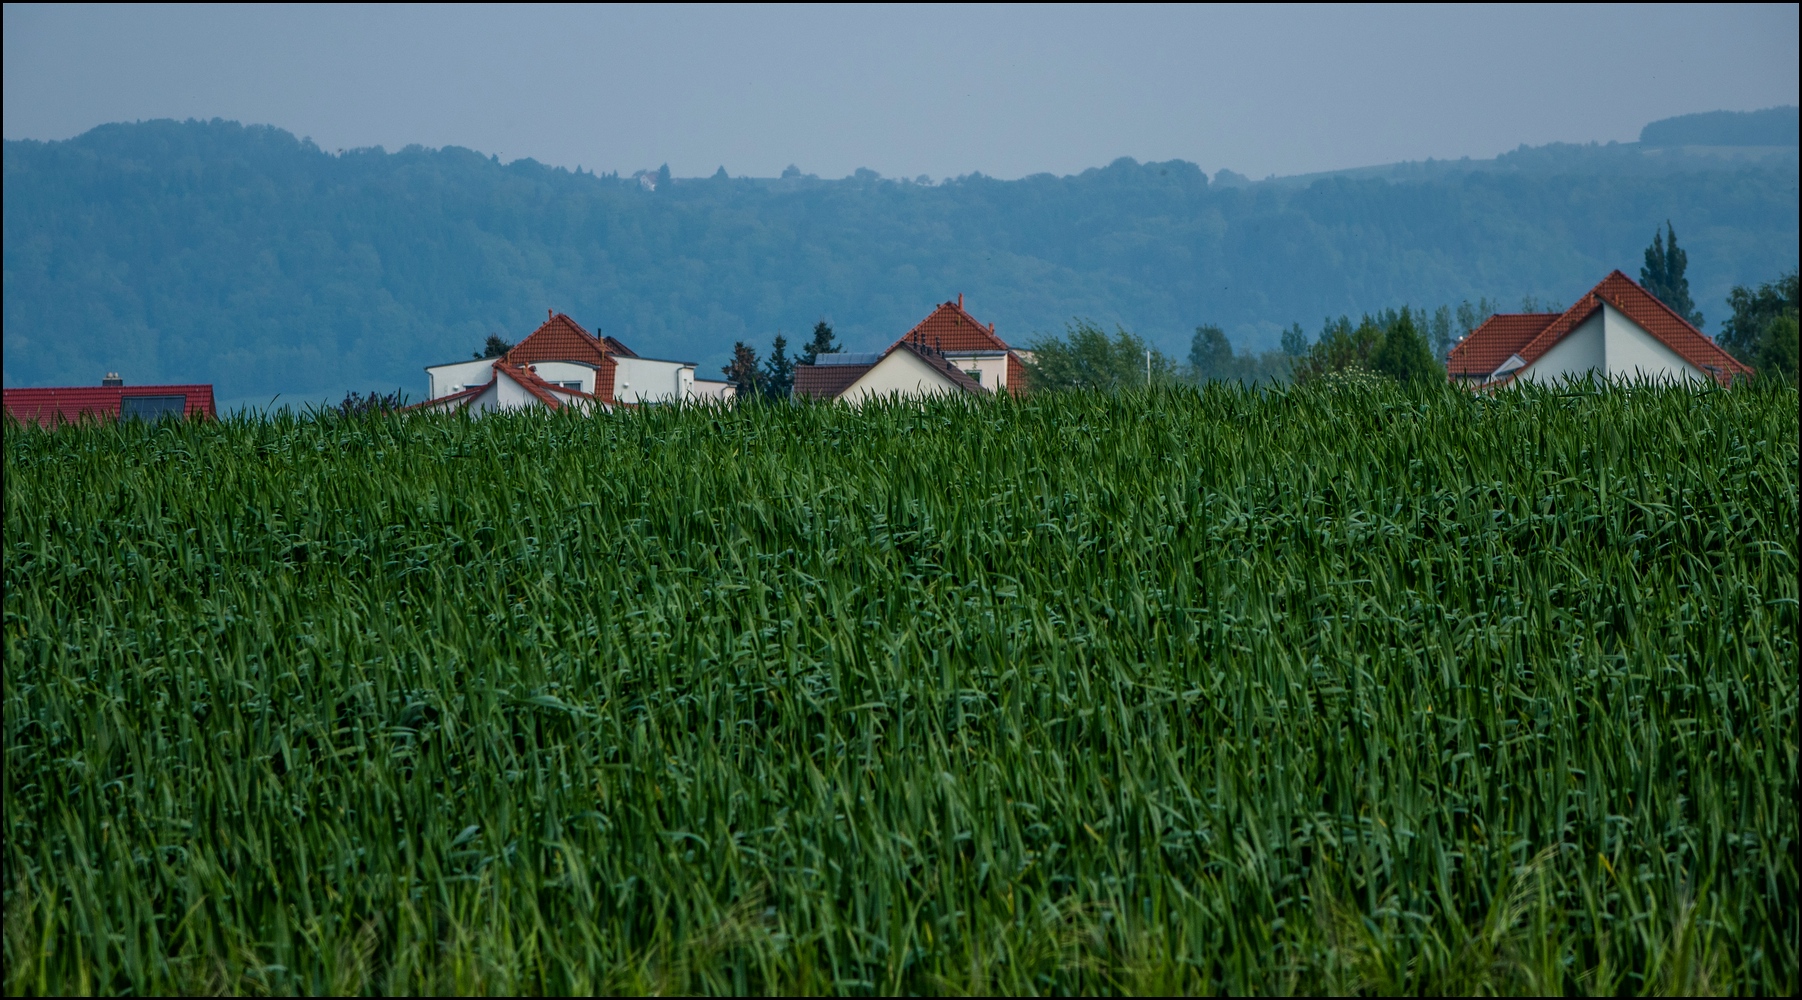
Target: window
{"points": [[975, 373], [152, 407], [571, 385]]}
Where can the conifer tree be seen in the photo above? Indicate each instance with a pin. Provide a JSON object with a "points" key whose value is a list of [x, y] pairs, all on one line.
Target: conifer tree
{"points": [[494, 348], [1403, 354], [1663, 275], [822, 343], [742, 370], [1295, 341], [779, 370]]}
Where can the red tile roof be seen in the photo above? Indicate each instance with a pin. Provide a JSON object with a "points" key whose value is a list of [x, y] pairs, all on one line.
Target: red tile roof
{"points": [[525, 377], [949, 328], [545, 391], [71, 404], [1492, 343], [563, 339], [826, 381], [1625, 295]]}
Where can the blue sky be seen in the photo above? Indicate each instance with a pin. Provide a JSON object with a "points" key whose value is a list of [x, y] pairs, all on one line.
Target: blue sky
{"points": [[940, 91]]}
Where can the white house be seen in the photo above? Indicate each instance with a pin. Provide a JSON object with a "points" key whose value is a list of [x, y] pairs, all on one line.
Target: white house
{"points": [[948, 352], [562, 364], [1617, 331]]}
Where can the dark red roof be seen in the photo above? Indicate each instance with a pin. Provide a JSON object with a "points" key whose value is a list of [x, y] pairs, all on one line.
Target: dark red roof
{"points": [[545, 391], [826, 381], [563, 339], [1625, 295], [949, 328], [1494, 342], [527, 379], [558, 338], [95, 402]]}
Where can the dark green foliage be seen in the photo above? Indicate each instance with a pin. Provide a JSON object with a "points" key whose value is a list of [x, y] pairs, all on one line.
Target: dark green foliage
{"points": [[210, 252], [1295, 341], [1210, 353], [1777, 351], [742, 371], [1383, 690], [1756, 333], [495, 347], [1211, 358], [1403, 354], [363, 405], [822, 343], [1087, 358], [778, 370], [1340, 347], [1439, 332], [1770, 127], [1665, 275]]}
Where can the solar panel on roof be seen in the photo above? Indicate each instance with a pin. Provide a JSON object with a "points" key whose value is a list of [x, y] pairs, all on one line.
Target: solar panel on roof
{"points": [[152, 407], [860, 358]]}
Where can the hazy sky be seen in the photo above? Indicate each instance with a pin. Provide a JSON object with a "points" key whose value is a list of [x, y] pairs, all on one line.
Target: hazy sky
{"points": [[941, 91]]}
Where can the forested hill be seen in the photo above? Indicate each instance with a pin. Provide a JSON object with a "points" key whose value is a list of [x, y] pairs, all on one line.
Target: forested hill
{"points": [[211, 251]]}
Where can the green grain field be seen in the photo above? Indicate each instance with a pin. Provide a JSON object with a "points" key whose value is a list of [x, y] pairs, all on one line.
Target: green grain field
{"points": [[1316, 690]]}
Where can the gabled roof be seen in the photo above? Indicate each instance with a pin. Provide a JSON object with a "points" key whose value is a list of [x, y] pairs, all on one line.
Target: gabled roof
{"points": [[1499, 336], [543, 390], [942, 366], [613, 346], [560, 338], [1497, 343], [69, 404], [831, 381], [949, 328], [827, 381], [524, 377]]}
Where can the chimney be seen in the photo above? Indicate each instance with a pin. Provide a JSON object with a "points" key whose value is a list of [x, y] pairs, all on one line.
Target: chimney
{"points": [[960, 300], [550, 314], [112, 381]]}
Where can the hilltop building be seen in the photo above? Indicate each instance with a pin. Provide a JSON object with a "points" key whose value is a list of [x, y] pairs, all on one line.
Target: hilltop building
{"points": [[561, 364], [1617, 331], [112, 399], [948, 352]]}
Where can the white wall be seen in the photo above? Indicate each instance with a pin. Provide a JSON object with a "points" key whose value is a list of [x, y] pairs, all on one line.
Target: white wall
{"points": [[442, 380], [902, 373], [1635, 355], [710, 391], [646, 380], [559, 372], [992, 366], [1580, 352]]}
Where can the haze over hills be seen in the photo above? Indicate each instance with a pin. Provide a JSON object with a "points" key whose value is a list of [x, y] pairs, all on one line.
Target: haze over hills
{"points": [[212, 251]]}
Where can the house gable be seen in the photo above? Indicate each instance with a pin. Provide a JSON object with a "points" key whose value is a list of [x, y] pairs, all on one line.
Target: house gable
{"points": [[910, 372], [1689, 349], [1635, 354], [1581, 351]]}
